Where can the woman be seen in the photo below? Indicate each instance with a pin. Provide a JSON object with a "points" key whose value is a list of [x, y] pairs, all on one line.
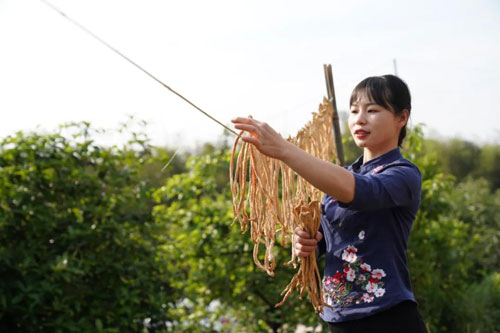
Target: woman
{"points": [[367, 212]]}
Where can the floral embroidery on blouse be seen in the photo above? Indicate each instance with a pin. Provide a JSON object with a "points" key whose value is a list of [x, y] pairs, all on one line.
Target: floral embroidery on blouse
{"points": [[356, 283], [377, 169]]}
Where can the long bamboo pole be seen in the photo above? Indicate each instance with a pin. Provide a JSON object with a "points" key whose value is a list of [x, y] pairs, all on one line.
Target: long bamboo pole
{"points": [[335, 119]]}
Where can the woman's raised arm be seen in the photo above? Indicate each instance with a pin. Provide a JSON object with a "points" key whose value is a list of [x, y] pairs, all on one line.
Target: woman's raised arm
{"points": [[325, 176]]}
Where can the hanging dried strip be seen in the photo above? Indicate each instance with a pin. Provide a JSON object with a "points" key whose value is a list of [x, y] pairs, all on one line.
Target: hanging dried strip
{"points": [[271, 200]]}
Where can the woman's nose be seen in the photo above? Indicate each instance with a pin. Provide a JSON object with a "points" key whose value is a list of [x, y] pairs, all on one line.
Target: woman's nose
{"points": [[360, 118]]}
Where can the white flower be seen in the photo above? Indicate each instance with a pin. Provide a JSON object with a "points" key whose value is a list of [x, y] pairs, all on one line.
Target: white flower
{"points": [[380, 292], [351, 274], [378, 273], [371, 287], [362, 277], [349, 254], [367, 298], [361, 234], [366, 267]]}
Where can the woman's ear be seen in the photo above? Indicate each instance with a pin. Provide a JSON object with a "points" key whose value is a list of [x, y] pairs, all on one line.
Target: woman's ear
{"points": [[403, 117]]}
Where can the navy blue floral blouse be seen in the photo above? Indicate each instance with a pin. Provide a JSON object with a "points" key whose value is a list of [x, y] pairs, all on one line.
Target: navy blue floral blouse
{"points": [[365, 240]]}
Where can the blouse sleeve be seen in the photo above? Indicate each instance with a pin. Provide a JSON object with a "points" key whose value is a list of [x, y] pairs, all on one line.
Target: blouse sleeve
{"points": [[397, 185]]}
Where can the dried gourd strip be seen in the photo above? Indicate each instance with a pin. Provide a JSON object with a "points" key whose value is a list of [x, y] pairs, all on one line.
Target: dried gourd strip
{"points": [[303, 280], [234, 174], [277, 208]]}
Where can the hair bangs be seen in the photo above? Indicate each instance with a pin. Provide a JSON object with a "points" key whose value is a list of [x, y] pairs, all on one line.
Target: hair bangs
{"points": [[375, 88]]}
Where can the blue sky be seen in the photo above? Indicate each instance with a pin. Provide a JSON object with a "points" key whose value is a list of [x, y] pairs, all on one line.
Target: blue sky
{"points": [[263, 58]]}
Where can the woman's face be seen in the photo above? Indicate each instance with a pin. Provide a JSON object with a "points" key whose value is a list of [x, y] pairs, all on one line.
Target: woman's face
{"points": [[373, 126]]}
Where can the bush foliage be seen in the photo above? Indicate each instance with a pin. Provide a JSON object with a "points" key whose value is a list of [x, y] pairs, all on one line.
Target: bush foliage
{"points": [[78, 247], [98, 239]]}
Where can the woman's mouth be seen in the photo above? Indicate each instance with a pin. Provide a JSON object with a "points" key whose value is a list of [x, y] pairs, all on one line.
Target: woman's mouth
{"points": [[361, 134]]}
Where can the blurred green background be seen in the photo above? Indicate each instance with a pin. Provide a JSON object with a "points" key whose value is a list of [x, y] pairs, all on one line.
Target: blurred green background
{"points": [[97, 238]]}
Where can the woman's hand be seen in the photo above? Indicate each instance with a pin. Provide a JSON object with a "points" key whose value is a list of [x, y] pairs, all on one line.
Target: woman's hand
{"points": [[324, 175], [263, 137], [304, 244]]}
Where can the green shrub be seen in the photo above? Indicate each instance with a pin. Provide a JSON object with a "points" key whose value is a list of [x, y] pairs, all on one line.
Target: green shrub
{"points": [[78, 248]]}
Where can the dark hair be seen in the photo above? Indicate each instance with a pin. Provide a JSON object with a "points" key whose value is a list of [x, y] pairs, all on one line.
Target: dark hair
{"points": [[388, 91]]}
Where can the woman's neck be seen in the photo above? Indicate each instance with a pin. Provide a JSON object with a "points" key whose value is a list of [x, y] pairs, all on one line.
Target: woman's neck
{"points": [[369, 154]]}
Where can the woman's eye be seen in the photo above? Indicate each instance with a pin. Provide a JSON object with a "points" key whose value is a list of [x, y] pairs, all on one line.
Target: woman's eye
{"points": [[372, 111], [354, 111]]}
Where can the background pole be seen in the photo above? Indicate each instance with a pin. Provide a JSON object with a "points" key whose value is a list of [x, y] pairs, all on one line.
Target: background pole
{"points": [[336, 122]]}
